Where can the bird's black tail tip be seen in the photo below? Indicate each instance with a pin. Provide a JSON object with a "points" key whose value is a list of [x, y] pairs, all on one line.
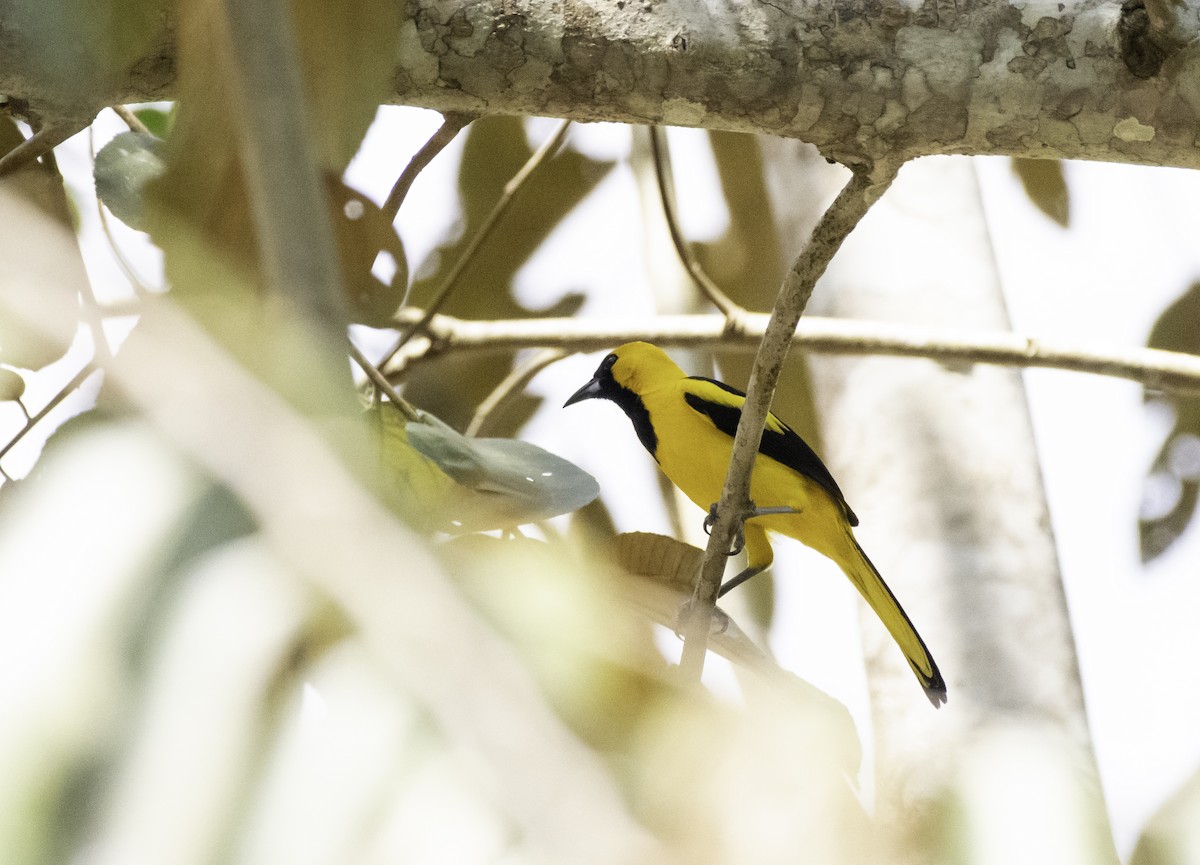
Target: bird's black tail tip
{"points": [[935, 690]]}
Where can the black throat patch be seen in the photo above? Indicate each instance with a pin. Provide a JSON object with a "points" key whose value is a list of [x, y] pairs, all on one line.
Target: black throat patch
{"points": [[637, 413]]}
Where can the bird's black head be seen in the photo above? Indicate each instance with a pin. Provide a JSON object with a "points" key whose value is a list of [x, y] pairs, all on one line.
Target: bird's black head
{"points": [[602, 385]]}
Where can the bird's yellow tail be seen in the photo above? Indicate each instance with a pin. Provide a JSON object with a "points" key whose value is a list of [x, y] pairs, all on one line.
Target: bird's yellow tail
{"points": [[870, 584]]}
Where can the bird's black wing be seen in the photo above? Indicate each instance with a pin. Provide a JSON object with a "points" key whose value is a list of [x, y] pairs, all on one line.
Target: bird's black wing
{"points": [[779, 442]]}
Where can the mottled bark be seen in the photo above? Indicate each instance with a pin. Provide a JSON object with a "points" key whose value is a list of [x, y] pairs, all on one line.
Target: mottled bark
{"points": [[861, 79]]}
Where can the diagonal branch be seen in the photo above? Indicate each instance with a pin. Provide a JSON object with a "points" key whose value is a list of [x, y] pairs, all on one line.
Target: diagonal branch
{"points": [[452, 124], [541, 155], [839, 220]]}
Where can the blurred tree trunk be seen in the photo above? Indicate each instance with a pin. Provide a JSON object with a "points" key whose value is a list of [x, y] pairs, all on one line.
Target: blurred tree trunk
{"points": [[941, 465]]}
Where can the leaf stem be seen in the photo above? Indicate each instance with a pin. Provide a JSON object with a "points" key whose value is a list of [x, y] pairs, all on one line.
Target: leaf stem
{"points": [[382, 385]]}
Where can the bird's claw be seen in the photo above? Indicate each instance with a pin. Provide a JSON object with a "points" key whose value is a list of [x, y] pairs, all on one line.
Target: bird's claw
{"points": [[739, 535]]}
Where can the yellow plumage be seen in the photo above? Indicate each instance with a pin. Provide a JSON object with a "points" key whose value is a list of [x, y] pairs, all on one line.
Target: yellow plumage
{"points": [[688, 423]]}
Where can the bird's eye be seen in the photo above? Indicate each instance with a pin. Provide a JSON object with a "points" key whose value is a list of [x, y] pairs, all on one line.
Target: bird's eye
{"points": [[608, 362]]}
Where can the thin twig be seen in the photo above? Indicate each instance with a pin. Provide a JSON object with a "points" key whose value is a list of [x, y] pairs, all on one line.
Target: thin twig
{"points": [[134, 122], [839, 220], [102, 352], [382, 385], [548, 148], [515, 380], [1154, 368], [666, 189], [40, 143], [452, 124], [63, 392], [140, 288]]}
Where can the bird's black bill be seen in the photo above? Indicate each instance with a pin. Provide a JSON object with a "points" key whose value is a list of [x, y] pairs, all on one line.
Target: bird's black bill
{"points": [[591, 390]]}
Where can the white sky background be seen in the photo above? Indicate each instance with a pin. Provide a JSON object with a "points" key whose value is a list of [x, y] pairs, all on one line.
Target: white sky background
{"points": [[1130, 250]]}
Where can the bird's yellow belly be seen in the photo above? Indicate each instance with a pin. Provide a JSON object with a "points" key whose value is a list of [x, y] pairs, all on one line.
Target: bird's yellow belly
{"points": [[698, 462]]}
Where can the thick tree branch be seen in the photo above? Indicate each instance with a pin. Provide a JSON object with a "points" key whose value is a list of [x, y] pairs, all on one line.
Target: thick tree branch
{"points": [[1084, 79], [1153, 368]]}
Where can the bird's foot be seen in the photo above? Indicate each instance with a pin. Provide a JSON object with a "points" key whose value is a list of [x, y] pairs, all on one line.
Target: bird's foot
{"points": [[739, 535]]}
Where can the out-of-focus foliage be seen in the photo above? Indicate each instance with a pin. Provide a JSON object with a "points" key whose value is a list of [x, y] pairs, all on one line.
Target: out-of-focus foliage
{"points": [[1046, 187], [1172, 485], [156, 120], [1172, 836], [348, 53], [516, 481], [205, 217], [124, 167], [211, 620], [496, 148], [364, 236], [186, 695], [38, 257], [413, 484]]}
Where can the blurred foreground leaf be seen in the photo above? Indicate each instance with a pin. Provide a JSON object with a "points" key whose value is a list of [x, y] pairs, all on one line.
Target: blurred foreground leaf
{"points": [[348, 52], [67, 610], [157, 120], [39, 259], [1172, 486], [1172, 835]]}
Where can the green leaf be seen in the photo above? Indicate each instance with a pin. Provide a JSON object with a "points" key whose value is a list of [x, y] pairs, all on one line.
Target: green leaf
{"points": [[159, 122], [517, 482], [124, 167], [41, 269], [414, 486]]}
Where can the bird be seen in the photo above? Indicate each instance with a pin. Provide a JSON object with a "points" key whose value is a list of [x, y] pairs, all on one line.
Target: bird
{"points": [[687, 423]]}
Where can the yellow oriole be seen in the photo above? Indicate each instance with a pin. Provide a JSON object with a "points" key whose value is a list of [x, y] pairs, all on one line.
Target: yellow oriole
{"points": [[687, 423]]}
